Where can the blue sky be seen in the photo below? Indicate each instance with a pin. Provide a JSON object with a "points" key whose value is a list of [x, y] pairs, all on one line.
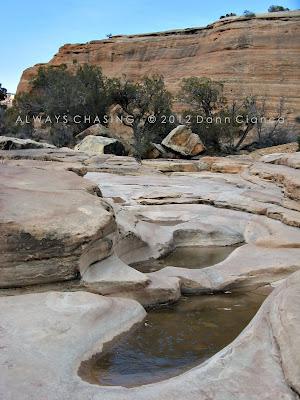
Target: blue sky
{"points": [[33, 30]]}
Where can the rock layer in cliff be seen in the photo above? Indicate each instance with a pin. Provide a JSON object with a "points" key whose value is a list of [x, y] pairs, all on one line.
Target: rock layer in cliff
{"points": [[253, 56]]}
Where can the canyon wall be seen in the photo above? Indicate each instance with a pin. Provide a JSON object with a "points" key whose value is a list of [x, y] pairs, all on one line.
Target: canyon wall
{"points": [[253, 56]]}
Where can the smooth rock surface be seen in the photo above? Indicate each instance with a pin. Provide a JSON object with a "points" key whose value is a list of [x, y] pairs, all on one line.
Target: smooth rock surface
{"points": [[240, 190], [259, 364], [159, 212], [41, 348], [113, 276]]}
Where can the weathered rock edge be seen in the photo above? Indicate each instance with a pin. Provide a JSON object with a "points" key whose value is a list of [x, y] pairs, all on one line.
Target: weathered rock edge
{"points": [[52, 227]]}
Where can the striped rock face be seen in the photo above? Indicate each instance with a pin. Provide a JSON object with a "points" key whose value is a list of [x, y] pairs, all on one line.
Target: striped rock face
{"points": [[257, 56]]}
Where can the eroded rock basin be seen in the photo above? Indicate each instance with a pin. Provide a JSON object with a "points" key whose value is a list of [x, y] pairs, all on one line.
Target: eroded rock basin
{"points": [[172, 340], [193, 257]]}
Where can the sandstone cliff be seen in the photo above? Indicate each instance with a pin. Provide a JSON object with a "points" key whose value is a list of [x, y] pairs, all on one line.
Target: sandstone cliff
{"points": [[257, 56]]}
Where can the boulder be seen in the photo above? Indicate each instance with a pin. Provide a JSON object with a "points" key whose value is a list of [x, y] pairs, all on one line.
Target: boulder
{"points": [[182, 140], [100, 145], [115, 129], [158, 151], [12, 143], [120, 124], [93, 130], [53, 225]]}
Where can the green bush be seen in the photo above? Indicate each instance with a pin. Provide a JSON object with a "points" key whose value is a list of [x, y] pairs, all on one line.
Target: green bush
{"points": [[249, 14], [61, 135], [228, 15], [55, 91], [203, 97], [225, 127], [142, 100], [3, 93], [277, 8]]}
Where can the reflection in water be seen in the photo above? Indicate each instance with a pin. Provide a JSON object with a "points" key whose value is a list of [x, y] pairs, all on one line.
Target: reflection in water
{"points": [[172, 340], [188, 257]]}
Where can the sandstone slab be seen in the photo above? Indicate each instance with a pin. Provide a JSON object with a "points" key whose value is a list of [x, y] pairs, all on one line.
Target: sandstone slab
{"points": [[13, 143], [256, 189], [41, 348], [259, 364], [113, 276], [289, 160], [159, 291], [52, 225], [246, 267], [288, 177]]}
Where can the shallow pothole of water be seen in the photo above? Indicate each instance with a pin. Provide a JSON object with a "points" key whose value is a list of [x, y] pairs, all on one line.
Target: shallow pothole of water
{"points": [[188, 257], [172, 340]]}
